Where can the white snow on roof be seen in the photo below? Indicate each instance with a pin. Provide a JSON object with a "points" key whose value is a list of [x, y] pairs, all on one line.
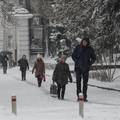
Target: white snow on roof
{"points": [[20, 10]]}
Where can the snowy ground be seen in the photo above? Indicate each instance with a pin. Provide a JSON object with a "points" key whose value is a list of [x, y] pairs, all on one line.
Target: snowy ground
{"points": [[35, 103]]}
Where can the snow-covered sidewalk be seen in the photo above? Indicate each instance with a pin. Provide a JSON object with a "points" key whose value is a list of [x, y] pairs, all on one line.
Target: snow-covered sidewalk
{"points": [[35, 103]]}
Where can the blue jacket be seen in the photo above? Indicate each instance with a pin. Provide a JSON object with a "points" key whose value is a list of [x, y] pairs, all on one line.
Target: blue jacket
{"points": [[83, 57]]}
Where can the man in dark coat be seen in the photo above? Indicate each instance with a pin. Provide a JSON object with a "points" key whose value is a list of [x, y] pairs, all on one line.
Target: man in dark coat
{"points": [[4, 60], [83, 56], [23, 63], [61, 75]]}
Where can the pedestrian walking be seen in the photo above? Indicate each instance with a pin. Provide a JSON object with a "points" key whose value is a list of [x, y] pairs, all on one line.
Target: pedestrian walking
{"points": [[39, 68], [4, 60], [61, 75], [23, 63], [83, 56]]}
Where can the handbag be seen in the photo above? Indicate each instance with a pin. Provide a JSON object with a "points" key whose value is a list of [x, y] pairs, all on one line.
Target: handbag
{"points": [[53, 89]]}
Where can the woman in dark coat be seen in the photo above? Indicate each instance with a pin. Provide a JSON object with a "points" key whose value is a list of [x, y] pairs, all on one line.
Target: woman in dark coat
{"points": [[23, 63], [39, 68], [61, 75]]}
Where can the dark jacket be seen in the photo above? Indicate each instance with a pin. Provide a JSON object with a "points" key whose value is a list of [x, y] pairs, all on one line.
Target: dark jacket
{"points": [[83, 57], [4, 60], [61, 74], [23, 63], [39, 68]]}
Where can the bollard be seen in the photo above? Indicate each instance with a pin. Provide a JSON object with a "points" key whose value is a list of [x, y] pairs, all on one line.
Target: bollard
{"points": [[81, 105], [14, 106]]}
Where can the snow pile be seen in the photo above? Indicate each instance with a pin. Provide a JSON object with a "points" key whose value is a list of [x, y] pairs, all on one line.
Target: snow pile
{"points": [[20, 10]]}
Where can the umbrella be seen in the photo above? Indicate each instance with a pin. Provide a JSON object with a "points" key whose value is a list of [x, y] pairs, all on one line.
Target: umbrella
{"points": [[5, 53]]}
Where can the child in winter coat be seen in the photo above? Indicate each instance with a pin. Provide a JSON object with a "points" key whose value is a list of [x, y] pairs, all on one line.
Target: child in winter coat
{"points": [[39, 68], [61, 75]]}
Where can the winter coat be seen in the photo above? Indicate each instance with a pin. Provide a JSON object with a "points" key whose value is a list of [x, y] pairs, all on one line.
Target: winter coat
{"points": [[39, 68], [4, 60], [83, 57], [61, 74], [23, 63]]}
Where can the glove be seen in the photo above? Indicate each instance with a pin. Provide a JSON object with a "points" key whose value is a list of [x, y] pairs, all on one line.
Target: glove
{"points": [[44, 79]]}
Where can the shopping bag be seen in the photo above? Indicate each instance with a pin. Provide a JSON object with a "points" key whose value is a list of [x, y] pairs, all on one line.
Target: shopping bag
{"points": [[53, 89]]}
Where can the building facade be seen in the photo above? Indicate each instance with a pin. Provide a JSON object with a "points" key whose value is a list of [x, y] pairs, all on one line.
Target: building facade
{"points": [[22, 33]]}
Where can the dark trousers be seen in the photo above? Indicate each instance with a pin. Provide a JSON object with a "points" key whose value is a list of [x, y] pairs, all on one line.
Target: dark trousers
{"points": [[23, 74], [84, 75], [4, 69], [61, 91], [39, 80]]}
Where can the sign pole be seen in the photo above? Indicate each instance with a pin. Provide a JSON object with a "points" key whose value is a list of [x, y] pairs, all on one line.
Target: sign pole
{"points": [[81, 105], [14, 106]]}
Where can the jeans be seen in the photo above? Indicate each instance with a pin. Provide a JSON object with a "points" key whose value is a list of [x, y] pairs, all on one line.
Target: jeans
{"points": [[79, 75]]}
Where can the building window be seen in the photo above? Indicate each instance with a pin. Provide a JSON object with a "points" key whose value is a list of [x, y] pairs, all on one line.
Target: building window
{"points": [[10, 41], [22, 3], [36, 21]]}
